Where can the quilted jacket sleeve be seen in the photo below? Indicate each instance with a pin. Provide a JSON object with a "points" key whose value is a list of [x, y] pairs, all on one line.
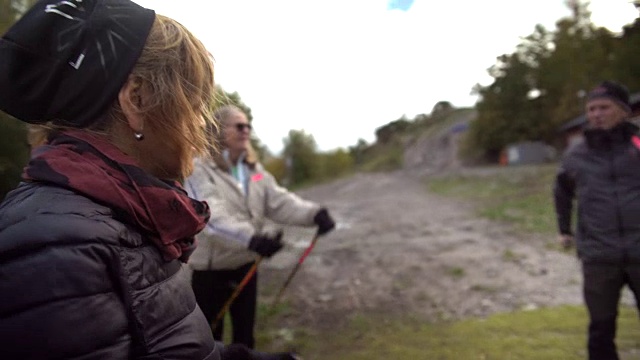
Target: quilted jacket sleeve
{"points": [[77, 284], [563, 195]]}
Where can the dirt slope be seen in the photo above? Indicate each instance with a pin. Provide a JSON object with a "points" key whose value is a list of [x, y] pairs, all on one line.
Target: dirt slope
{"points": [[400, 249]]}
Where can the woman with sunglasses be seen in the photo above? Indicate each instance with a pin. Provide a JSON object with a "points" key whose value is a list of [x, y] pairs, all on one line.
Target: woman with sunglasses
{"points": [[93, 240], [233, 240]]}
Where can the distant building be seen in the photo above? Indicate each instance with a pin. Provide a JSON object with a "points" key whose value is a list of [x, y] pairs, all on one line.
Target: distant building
{"points": [[527, 152]]}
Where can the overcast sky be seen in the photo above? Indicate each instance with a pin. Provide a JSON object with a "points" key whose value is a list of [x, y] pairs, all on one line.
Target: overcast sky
{"points": [[338, 69]]}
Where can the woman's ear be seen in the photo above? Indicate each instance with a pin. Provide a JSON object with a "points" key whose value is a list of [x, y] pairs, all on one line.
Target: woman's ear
{"points": [[130, 98]]}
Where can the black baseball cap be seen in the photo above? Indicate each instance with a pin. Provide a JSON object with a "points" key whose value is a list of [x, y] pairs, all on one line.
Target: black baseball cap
{"points": [[611, 90]]}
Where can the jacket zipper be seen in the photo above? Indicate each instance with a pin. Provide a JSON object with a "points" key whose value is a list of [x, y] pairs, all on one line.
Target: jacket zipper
{"points": [[614, 177]]}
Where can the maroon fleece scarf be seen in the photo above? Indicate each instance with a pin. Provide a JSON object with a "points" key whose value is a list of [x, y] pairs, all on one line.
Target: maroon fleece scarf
{"points": [[97, 169]]}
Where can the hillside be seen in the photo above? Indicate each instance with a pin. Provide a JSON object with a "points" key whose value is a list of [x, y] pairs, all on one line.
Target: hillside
{"points": [[425, 144], [438, 146]]}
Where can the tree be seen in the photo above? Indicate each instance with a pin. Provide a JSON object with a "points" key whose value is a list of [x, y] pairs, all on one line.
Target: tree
{"points": [[300, 157], [440, 109], [278, 168], [540, 86], [357, 151], [386, 132], [226, 98], [625, 64], [581, 58], [505, 112], [335, 163], [14, 150]]}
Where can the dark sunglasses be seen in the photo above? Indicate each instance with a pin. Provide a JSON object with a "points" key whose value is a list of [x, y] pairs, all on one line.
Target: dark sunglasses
{"points": [[240, 127]]}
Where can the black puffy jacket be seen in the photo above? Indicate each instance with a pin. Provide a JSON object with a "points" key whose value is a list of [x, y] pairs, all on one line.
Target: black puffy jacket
{"points": [[77, 284], [603, 173]]}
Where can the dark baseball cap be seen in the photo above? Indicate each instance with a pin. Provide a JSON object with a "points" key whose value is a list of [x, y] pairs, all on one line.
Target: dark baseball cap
{"points": [[611, 90]]}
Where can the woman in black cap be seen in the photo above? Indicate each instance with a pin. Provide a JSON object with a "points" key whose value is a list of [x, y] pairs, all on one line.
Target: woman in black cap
{"points": [[93, 240]]}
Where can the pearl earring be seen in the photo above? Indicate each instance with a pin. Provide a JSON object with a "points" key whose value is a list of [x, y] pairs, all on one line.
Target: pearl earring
{"points": [[139, 136]]}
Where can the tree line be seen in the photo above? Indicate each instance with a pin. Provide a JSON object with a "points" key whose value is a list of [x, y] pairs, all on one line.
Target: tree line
{"points": [[542, 84], [14, 149], [535, 89]]}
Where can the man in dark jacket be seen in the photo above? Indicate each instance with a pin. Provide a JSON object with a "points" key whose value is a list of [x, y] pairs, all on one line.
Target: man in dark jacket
{"points": [[603, 174]]}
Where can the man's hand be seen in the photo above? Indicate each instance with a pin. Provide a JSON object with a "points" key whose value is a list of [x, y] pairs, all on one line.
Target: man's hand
{"points": [[566, 241]]}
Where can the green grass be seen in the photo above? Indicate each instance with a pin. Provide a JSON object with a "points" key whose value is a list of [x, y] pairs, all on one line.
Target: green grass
{"points": [[551, 333], [509, 256], [519, 195], [456, 272], [387, 157]]}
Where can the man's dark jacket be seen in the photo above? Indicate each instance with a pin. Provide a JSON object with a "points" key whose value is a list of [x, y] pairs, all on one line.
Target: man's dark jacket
{"points": [[603, 173], [77, 284]]}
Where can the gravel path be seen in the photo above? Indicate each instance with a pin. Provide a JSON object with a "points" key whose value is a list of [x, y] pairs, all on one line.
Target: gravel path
{"points": [[400, 249]]}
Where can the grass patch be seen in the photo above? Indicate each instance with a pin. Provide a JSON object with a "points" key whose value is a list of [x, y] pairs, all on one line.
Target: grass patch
{"points": [[510, 256], [387, 157], [518, 195], [551, 333], [456, 272], [269, 333], [484, 288]]}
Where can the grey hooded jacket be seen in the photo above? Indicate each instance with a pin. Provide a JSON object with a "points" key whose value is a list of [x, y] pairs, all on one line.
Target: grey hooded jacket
{"points": [[603, 174]]}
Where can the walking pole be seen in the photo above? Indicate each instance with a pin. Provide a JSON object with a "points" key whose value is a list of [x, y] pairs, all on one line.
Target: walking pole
{"points": [[236, 292], [295, 269]]}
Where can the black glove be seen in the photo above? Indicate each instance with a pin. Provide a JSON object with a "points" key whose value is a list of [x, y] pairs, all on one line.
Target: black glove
{"points": [[324, 221], [265, 244], [241, 352]]}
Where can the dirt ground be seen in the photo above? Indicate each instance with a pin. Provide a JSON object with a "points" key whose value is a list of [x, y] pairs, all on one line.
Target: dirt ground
{"points": [[399, 249]]}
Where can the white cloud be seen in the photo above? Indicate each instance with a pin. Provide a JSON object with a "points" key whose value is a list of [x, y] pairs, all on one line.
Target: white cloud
{"points": [[340, 68]]}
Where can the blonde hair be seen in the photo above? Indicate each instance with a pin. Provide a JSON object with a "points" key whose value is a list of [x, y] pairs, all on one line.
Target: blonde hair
{"points": [[222, 115], [37, 134], [176, 71]]}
